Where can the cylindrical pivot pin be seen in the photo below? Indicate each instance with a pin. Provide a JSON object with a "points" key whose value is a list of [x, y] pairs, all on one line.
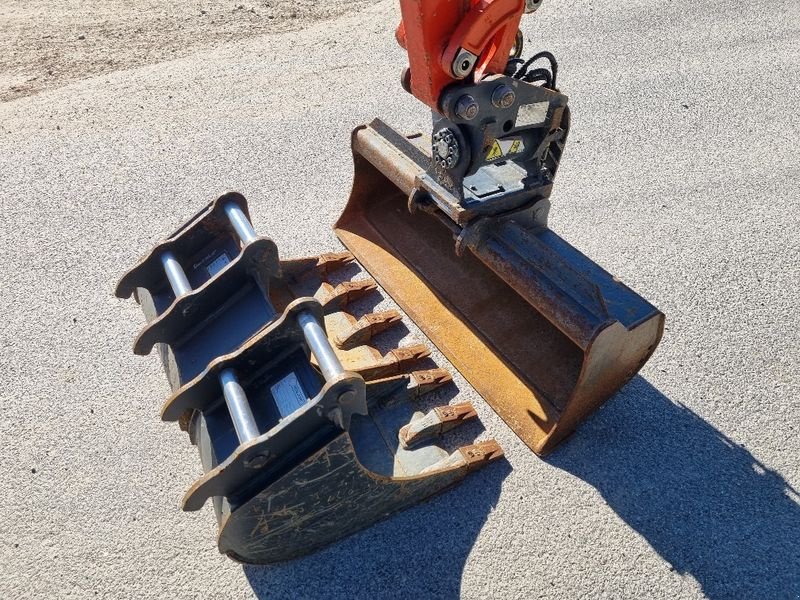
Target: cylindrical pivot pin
{"points": [[320, 345], [240, 222], [239, 408], [177, 278]]}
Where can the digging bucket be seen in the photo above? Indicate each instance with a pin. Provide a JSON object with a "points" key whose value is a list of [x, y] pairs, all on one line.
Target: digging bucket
{"points": [[544, 334]]}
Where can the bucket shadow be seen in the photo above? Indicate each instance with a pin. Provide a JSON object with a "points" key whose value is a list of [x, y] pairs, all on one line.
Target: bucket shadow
{"points": [[701, 500], [416, 553]]}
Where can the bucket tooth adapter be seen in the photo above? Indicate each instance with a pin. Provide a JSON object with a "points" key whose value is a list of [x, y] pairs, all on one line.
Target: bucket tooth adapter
{"points": [[297, 425], [453, 226]]}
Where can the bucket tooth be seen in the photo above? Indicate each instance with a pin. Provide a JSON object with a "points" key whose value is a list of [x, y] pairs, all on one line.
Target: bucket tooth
{"points": [[436, 422], [470, 457], [301, 269], [405, 387], [481, 453], [429, 380], [393, 362], [361, 331], [332, 261], [306, 277], [409, 354], [368, 362], [336, 298]]}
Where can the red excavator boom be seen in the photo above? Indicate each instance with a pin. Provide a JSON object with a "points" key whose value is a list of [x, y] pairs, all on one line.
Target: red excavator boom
{"points": [[479, 33]]}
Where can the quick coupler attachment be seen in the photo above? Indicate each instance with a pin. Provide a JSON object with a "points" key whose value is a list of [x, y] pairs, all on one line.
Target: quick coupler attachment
{"points": [[204, 290], [298, 422]]}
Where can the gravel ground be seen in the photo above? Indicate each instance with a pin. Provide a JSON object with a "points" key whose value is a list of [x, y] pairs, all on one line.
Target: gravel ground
{"points": [[681, 177], [49, 43]]}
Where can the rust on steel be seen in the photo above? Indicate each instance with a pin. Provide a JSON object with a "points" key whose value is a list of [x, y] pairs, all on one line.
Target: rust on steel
{"points": [[541, 332]]}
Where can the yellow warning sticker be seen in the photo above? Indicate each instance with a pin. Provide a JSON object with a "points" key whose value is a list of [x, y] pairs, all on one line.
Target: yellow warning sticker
{"points": [[502, 148], [496, 151]]}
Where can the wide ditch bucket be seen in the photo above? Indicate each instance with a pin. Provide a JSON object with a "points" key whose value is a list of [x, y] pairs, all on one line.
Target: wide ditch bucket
{"points": [[544, 334]]}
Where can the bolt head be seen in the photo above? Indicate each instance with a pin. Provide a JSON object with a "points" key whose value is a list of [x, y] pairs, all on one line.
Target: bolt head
{"points": [[256, 462], [504, 96], [467, 108], [446, 152]]}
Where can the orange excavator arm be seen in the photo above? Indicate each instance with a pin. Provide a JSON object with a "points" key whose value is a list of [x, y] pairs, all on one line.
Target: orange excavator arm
{"points": [[451, 40]]}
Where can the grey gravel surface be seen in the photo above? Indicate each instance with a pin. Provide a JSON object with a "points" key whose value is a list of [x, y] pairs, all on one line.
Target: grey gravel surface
{"points": [[681, 177], [45, 44]]}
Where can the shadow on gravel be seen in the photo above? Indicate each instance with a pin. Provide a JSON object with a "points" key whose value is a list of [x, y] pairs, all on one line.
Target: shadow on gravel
{"points": [[417, 553], [702, 501]]}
